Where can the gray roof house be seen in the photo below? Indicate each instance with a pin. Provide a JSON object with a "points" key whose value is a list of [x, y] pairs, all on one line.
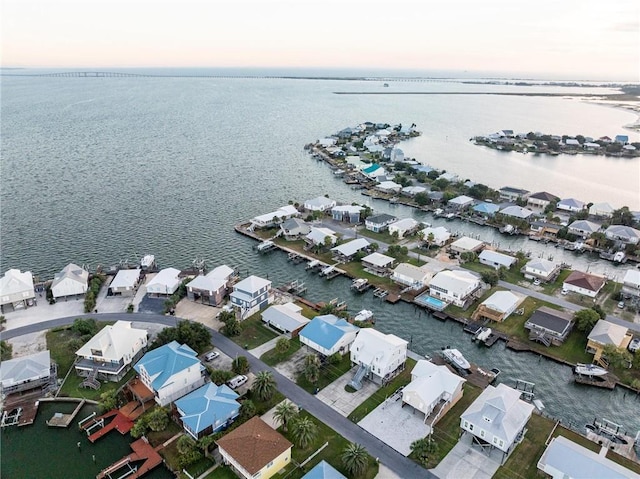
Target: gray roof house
{"points": [[517, 212], [511, 194], [285, 317], [540, 268], [321, 203], [571, 204], [294, 228], [460, 202], [631, 283], [626, 234], [346, 251], [549, 326], [27, 372], [583, 228], [541, 199], [378, 223], [496, 260]]}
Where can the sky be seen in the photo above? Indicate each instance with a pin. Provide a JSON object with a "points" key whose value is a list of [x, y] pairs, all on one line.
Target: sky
{"points": [[566, 39]]}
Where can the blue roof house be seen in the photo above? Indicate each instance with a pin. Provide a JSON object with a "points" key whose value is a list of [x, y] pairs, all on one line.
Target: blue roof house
{"points": [[486, 209], [329, 334], [208, 409], [323, 470], [170, 371]]}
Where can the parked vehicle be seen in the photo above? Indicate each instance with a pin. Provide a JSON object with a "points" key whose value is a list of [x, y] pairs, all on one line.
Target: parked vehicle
{"points": [[237, 381], [634, 345], [211, 355]]}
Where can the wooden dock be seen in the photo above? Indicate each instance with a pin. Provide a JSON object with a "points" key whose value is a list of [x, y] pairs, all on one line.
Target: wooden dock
{"points": [[119, 421], [28, 405], [476, 375], [605, 382], [142, 451], [63, 420]]}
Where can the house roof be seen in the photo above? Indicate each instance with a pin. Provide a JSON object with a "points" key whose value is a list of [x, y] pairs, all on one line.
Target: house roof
{"points": [[622, 231], [380, 219], [319, 202], [466, 243], [487, 208], [494, 256], [551, 319], [543, 195], [430, 381], [605, 333], [252, 284], [454, 281], [209, 405], [416, 273], [598, 208], [461, 200], [254, 444], [571, 203], [632, 276], [295, 223], [327, 330], [378, 259], [516, 212], [414, 190], [115, 341], [389, 185], [126, 278], [587, 281], [502, 301], [164, 362], [317, 235], [73, 272], [352, 247], [285, 316], [541, 264], [584, 225], [214, 280], [348, 209], [288, 210], [26, 368], [167, 280], [511, 189], [377, 347], [439, 233], [323, 470], [404, 224], [16, 282]]}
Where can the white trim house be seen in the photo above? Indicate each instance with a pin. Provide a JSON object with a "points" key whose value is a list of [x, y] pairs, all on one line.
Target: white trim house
{"points": [[125, 282], [345, 252], [415, 277], [440, 235], [165, 283], [496, 260], [631, 283], [251, 295], [321, 203], [72, 281], [16, 289], [285, 317], [380, 355], [403, 227], [271, 219], [456, 287], [540, 268], [328, 334]]}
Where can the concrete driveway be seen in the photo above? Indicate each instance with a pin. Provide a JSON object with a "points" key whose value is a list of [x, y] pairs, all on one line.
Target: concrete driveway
{"points": [[294, 365], [465, 462], [343, 402]]}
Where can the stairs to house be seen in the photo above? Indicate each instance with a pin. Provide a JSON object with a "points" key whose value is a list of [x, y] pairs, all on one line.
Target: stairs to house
{"points": [[356, 382]]}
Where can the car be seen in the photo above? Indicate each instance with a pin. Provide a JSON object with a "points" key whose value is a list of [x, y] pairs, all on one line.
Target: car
{"points": [[211, 355], [634, 345], [227, 308], [621, 304], [536, 282], [237, 381], [564, 291]]}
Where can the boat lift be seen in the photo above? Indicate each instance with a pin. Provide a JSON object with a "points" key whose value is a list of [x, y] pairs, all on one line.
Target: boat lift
{"points": [[526, 389]]}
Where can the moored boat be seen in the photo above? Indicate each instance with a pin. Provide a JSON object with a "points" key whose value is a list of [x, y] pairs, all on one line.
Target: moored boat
{"points": [[456, 358], [364, 315], [589, 370]]}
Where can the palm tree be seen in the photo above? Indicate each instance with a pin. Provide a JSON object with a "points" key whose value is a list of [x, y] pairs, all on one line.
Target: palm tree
{"points": [[264, 385], [355, 458], [285, 412], [304, 431], [247, 409], [422, 448], [311, 368]]}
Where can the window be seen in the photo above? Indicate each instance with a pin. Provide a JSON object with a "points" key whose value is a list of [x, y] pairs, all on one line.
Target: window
{"points": [[470, 427], [481, 432]]}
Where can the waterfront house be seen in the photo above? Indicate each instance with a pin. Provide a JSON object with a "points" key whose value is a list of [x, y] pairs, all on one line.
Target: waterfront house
{"points": [[396, 155], [466, 245], [496, 260], [498, 306], [542, 269], [565, 459], [460, 202], [373, 171], [328, 334], [512, 194], [255, 450], [572, 143], [623, 139], [486, 209], [380, 355], [436, 196], [345, 252], [549, 326], [435, 236], [318, 237], [165, 283], [605, 139], [457, 287], [294, 228], [603, 210], [327, 142], [591, 146], [251, 295], [517, 212], [321, 203], [571, 204], [125, 282], [208, 409], [268, 220], [631, 283], [450, 177], [390, 187], [584, 283], [27, 373], [378, 264], [71, 282], [403, 227], [323, 470], [286, 318], [622, 233], [348, 213], [545, 229], [110, 353], [497, 419], [433, 390], [211, 288], [16, 290], [415, 277], [171, 371], [583, 228], [413, 190], [379, 223], [604, 333], [426, 169]]}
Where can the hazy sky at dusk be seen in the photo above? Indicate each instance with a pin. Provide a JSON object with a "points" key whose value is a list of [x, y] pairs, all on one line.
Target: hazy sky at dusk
{"points": [[582, 39]]}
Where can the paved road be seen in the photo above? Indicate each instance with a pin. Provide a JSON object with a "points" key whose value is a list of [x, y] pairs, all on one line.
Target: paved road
{"points": [[399, 464]]}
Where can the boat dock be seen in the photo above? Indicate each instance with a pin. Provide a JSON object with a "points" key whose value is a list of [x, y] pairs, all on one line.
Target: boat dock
{"points": [[63, 420], [129, 467], [121, 420], [20, 410], [475, 375], [605, 382]]}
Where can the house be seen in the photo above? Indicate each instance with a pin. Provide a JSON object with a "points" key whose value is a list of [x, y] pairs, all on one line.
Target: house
{"points": [[602, 210], [549, 326], [321, 203], [326, 142], [466, 245], [125, 283], [486, 209], [255, 450], [345, 252], [584, 283], [208, 409], [397, 155], [323, 470], [328, 335], [16, 290], [413, 190], [379, 355], [565, 459], [591, 146], [379, 223], [416, 277], [622, 233], [318, 237], [571, 204], [378, 264], [170, 371], [426, 169], [545, 229], [542, 269], [498, 306], [165, 283], [213, 287], [440, 235], [496, 260], [583, 228], [517, 212], [457, 287], [275, 217], [348, 213], [512, 194], [572, 143], [72, 281], [460, 202], [433, 390], [450, 177], [251, 295], [294, 228], [374, 171], [604, 333], [110, 353], [631, 283], [497, 418], [436, 196], [624, 139], [403, 227], [27, 373], [389, 187], [286, 318]]}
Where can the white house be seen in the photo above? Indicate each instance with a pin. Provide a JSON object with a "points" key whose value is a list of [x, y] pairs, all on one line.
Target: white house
{"points": [[626, 234], [171, 371], [440, 235], [585, 284], [583, 228], [571, 204], [510, 193], [318, 236], [378, 223], [498, 306], [346, 251], [109, 354], [321, 203], [348, 213], [496, 260], [416, 277], [541, 199], [328, 335], [251, 295], [379, 355], [413, 190], [16, 290], [497, 418], [450, 177], [601, 209], [631, 283], [433, 390], [403, 227], [285, 317], [271, 219], [378, 264], [466, 245], [517, 212], [540, 268], [165, 283], [26, 373], [461, 202], [211, 288], [125, 282], [72, 281], [389, 187], [457, 287]]}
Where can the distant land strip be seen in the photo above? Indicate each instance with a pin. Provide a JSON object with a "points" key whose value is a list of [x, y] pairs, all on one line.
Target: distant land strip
{"points": [[612, 96]]}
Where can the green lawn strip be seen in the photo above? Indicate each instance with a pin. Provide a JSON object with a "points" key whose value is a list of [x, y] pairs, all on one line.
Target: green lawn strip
{"points": [[511, 275], [199, 467], [222, 472], [383, 393], [328, 374], [307, 311], [159, 437], [170, 455], [575, 437], [263, 406], [550, 288], [72, 388], [332, 453], [623, 461], [273, 357], [253, 333]]}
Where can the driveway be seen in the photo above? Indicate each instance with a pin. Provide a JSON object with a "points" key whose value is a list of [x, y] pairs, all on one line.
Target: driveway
{"points": [[342, 401], [465, 462], [292, 366]]}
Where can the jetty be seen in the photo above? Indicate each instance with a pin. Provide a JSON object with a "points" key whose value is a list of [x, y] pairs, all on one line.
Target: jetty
{"points": [[476, 375], [143, 459], [63, 420]]}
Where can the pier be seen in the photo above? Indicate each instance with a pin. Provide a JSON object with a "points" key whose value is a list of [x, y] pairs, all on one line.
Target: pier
{"points": [[63, 420], [475, 375], [129, 467]]}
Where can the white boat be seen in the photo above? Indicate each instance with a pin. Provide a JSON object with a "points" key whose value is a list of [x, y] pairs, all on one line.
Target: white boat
{"points": [[483, 334], [456, 358], [360, 284], [364, 315], [589, 370]]}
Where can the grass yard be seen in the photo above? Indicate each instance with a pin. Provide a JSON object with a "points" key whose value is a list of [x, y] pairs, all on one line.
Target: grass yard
{"points": [[511, 275], [199, 467], [328, 374], [253, 333], [222, 472], [157, 438], [550, 288], [273, 357]]}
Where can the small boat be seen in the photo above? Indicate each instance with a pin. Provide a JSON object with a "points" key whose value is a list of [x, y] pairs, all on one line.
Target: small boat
{"points": [[589, 370], [364, 315], [360, 284], [483, 334], [456, 358], [538, 404]]}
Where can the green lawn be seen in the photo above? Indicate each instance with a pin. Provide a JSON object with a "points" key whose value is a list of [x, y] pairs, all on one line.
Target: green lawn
{"points": [[253, 333], [550, 288], [328, 374], [383, 393], [511, 275], [157, 438], [199, 467], [222, 472], [273, 357]]}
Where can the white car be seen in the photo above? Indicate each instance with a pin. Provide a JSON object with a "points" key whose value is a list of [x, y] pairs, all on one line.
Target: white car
{"points": [[237, 381], [536, 282], [634, 345], [211, 356], [564, 291]]}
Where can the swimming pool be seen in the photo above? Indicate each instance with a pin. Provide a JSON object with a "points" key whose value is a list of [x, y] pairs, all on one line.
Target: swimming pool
{"points": [[430, 302]]}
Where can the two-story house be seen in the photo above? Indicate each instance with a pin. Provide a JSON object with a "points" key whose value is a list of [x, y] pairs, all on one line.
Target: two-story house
{"points": [[379, 356], [208, 409], [456, 287], [251, 295], [328, 334]]}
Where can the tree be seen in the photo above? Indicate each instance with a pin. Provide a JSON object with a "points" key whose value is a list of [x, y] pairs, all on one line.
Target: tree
{"points": [[139, 428], [108, 400], [490, 277], [240, 365], [421, 199], [468, 256], [225, 316], [247, 409], [622, 216], [231, 327], [85, 327], [283, 345], [6, 351], [285, 412], [304, 431], [193, 334], [619, 358], [311, 368], [220, 376], [423, 448], [264, 385], [355, 459], [586, 319], [188, 449], [158, 419]]}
